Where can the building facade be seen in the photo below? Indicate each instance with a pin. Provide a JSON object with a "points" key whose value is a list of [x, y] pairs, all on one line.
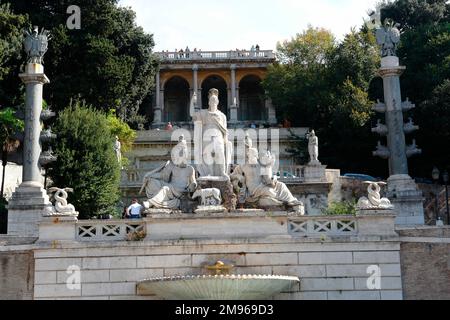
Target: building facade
{"points": [[236, 74]]}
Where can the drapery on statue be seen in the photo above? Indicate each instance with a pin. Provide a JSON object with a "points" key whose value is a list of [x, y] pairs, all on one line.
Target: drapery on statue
{"points": [[388, 38], [215, 148], [313, 148], [166, 185], [262, 188], [36, 44]]}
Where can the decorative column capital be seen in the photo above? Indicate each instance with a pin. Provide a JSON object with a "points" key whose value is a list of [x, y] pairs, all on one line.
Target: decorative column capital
{"points": [[391, 71], [34, 73], [195, 67], [233, 66]]}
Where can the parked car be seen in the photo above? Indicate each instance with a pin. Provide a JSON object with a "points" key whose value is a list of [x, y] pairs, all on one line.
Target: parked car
{"points": [[362, 177]]}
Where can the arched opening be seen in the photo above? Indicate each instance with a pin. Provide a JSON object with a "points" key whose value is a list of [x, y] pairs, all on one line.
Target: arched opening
{"points": [[251, 98], [176, 100], [218, 83]]}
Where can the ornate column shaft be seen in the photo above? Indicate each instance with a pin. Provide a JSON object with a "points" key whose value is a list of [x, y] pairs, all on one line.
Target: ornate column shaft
{"points": [[396, 142], [157, 119], [234, 100], [34, 79]]}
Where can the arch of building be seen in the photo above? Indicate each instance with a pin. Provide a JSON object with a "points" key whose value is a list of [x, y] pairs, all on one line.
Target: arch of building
{"points": [[176, 99], [251, 99], [219, 83]]}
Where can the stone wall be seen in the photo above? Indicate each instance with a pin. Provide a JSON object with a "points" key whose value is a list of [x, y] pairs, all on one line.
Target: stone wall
{"points": [[425, 261], [16, 275], [328, 270]]}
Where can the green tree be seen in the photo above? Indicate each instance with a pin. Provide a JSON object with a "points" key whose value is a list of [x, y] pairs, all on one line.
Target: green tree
{"points": [[412, 13], [86, 160], [297, 83], [108, 62], [11, 36], [9, 125], [323, 84]]}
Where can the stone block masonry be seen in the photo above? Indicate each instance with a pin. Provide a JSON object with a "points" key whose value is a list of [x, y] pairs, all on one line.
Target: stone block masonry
{"points": [[327, 269]]}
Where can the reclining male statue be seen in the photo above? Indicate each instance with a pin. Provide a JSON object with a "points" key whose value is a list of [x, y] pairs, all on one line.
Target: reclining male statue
{"points": [[166, 185], [261, 186]]}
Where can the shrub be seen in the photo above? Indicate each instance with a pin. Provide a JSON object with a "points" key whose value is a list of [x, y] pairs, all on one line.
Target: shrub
{"points": [[86, 161], [341, 208]]}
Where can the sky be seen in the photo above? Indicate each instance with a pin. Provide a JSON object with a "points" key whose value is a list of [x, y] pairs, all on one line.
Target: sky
{"points": [[213, 25]]}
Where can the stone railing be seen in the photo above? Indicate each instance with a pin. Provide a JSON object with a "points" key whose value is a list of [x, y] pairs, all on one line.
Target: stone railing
{"points": [[238, 224], [216, 55], [107, 230], [323, 225], [291, 173]]}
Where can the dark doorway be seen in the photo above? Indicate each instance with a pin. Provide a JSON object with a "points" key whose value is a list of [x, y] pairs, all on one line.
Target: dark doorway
{"points": [[251, 98], [218, 83], [176, 100]]}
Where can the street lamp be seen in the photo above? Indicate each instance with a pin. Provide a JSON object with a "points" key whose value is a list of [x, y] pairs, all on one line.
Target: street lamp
{"points": [[445, 178], [436, 174]]}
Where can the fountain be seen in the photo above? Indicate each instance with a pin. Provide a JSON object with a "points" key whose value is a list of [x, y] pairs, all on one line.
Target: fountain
{"points": [[218, 286], [173, 188]]}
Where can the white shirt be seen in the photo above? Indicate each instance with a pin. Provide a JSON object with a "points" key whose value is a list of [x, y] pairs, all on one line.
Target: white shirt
{"points": [[135, 209]]}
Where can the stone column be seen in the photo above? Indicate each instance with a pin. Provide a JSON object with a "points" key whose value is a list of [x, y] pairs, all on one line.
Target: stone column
{"points": [[34, 79], [402, 189], [157, 118], [161, 103], [390, 72], [29, 201], [195, 78], [271, 113], [234, 100]]}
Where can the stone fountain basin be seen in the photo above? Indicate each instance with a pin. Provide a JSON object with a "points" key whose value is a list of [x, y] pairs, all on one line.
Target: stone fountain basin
{"points": [[219, 287]]}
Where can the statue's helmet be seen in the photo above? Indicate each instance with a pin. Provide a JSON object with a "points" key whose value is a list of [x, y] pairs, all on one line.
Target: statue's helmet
{"points": [[213, 92], [35, 30]]}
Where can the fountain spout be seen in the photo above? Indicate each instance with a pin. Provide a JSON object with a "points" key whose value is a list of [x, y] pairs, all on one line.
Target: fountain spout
{"points": [[220, 268]]}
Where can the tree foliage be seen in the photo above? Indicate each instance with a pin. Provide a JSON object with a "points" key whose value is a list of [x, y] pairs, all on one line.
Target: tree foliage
{"points": [[323, 84], [108, 62], [11, 37], [86, 160]]}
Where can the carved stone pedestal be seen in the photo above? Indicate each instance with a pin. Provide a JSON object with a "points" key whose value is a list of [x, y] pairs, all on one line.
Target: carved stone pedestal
{"points": [[26, 209], [407, 200], [315, 173], [225, 187]]}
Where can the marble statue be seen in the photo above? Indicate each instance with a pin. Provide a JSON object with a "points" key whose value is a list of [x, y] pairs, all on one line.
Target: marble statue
{"points": [[374, 200], [62, 207], [36, 44], [118, 150], [166, 185], [388, 38], [313, 149], [262, 188], [214, 144], [209, 197]]}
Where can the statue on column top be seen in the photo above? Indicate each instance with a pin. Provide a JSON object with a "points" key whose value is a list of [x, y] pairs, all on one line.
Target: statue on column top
{"points": [[36, 44], [388, 38]]}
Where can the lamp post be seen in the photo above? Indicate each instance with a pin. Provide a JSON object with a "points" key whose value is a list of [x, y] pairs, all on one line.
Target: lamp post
{"points": [[436, 174], [445, 178]]}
